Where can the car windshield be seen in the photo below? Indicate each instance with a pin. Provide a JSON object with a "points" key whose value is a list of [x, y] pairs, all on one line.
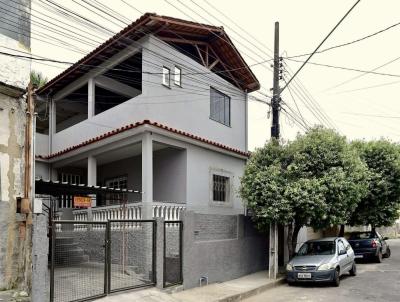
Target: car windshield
{"points": [[362, 235], [317, 248]]}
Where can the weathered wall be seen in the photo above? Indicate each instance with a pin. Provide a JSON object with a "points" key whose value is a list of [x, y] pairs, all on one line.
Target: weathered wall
{"points": [[12, 123], [220, 253]]}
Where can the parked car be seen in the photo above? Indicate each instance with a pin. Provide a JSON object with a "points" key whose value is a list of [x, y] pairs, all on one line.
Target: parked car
{"points": [[369, 245], [322, 260]]}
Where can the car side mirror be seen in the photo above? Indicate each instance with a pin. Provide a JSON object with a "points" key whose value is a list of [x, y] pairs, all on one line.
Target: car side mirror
{"points": [[342, 252]]}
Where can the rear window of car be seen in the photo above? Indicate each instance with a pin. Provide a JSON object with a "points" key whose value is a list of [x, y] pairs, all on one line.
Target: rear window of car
{"points": [[362, 235], [317, 248]]}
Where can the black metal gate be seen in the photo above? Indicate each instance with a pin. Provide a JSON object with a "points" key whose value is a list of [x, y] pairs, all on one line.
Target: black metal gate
{"points": [[91, 259], [78, 268], [173, 253], [131, 262]]}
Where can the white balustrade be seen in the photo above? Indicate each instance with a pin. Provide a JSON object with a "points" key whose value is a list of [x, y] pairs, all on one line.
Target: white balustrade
{"points": [[131, 211]]}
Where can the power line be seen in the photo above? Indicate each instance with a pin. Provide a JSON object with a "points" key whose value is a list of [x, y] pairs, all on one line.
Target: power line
{"points": [[363, 74], [367, 87], [310, 56], [373, 115], [350, 42], [349, 69]]}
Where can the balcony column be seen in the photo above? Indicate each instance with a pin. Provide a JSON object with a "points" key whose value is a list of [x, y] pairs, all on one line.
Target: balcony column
{"points": [[147, 175], [91, 98], [91, 181]]}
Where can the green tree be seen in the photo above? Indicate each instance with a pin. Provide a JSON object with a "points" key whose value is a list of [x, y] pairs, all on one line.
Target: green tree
{"points": [[38, 79], [316, 180], [380, 207]]}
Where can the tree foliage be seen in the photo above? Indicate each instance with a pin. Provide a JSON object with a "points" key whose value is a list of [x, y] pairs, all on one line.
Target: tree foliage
{"points": [[381, 205], [316, 180], [38, 79]]}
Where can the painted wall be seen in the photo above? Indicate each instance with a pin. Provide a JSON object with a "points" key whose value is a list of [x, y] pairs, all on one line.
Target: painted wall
{"points": [[41, 143], [186, 108]]}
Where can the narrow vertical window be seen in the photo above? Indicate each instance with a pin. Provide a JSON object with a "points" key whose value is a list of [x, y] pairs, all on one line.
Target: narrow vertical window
{"points": [[166, 76], [220, 107], [177, 76]]}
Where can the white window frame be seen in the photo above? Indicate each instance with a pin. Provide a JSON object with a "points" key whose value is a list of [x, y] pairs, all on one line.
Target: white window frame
{"points": [[178, 76], [166, 72], [229, 188]]}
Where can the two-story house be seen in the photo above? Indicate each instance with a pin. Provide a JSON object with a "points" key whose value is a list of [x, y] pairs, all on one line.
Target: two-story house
{"points": [[160, 107]]}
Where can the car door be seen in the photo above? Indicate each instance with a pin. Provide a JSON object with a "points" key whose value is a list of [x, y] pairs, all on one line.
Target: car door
{"points": [[350, 253], [343, 262]]}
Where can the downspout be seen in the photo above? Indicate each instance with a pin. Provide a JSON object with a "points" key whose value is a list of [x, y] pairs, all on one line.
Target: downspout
{"points": [[246, 122]]}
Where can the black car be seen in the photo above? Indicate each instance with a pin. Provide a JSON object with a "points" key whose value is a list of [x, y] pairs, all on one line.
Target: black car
{"points": [[369, 245]]}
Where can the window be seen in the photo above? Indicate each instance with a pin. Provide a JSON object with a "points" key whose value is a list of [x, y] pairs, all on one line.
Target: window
{"points": [[116, 183], [341, 246], [220, 188], [166, 76], [220, 107], [177, 76]]}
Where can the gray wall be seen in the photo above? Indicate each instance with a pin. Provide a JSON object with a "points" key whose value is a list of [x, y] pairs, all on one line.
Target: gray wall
{"points": [[169, 178], [215, 254], [186, 108], [16, 17]]}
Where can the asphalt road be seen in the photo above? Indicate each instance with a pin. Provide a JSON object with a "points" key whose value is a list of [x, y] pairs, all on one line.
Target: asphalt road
{"points": [[374, 282]]}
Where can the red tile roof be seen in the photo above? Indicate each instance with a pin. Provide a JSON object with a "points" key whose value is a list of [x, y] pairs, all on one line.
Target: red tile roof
{"points": [[136, 125], [167, 27]]}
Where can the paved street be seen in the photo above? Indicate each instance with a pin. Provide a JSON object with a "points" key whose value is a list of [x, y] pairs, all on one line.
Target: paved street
{"points": [[374, 282]]}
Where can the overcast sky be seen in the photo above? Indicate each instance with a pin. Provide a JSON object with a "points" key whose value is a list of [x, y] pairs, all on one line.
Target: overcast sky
{"points": [[363, 107]]}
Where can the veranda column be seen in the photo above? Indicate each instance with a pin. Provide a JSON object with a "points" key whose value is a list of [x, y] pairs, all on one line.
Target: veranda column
{"points": [[91, 180], [147, 175], [91, 98]]}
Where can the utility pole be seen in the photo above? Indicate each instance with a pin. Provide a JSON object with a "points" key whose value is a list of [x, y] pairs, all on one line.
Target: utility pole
{"points": [[275, 104]]}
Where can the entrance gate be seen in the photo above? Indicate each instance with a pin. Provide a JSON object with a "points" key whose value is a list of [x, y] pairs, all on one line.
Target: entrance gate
{"points": [[91, 259]]}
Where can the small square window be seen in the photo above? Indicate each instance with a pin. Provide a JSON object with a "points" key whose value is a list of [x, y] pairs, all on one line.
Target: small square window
{"points": [[220, 188], [166, 73], [177, 76]]}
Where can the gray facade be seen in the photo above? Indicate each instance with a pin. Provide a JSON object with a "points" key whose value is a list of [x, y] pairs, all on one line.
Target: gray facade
{"points": [[220, 249]]}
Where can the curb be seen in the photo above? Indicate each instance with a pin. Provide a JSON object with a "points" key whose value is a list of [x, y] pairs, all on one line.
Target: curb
{"points": [[252, 292]]}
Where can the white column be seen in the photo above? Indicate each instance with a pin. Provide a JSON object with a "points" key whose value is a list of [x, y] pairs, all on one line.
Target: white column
{"points": [[91, 98], [92, 174], [147, 175]]}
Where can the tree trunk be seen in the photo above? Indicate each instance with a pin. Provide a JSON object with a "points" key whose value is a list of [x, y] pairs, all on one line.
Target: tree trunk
{"points": [[295, 234], [289, 240], [341, 232]]}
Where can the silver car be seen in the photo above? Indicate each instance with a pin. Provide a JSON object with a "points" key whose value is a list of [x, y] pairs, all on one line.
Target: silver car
{"points": [[322, 260]]}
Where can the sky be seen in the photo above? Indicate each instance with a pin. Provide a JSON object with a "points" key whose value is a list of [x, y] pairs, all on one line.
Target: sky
{"points": [[357, 105]]}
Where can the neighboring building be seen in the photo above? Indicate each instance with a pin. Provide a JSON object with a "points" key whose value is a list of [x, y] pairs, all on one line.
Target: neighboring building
{"points": [[14, 79], [161, 107]]}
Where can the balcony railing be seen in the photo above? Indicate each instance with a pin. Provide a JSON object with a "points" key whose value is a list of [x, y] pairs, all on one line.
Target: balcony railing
{"points": [[131, 211]]}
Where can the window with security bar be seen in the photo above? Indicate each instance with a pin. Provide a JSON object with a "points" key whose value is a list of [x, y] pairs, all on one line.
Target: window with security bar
{"points": [[120, 182], [220, 188]]}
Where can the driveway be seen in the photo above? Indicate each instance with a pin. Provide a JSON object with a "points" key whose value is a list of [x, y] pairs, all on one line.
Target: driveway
{"points": [[374, 282]]}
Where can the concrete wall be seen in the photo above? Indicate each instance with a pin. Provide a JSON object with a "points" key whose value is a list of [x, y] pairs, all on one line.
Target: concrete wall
{"points": [[41, 143], [15, 34], [186, 108], [12, 230], [217, 255]]}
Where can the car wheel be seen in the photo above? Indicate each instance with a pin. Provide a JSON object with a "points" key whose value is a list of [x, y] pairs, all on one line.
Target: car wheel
{"points": [[290, 283], [336, 278], [353, 271], [378, 258], [388, 253]]}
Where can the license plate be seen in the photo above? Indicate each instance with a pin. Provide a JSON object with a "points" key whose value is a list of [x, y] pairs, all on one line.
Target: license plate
{"points": [[358, 256], [304, 275]]}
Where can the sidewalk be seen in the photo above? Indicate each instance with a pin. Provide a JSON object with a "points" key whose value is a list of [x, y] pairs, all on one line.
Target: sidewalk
{"points": [[233, 290]]}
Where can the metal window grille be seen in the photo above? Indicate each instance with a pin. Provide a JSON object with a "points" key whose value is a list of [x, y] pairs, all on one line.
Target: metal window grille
{"points": [[220, 107], [116, 183], [220, 187]]}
